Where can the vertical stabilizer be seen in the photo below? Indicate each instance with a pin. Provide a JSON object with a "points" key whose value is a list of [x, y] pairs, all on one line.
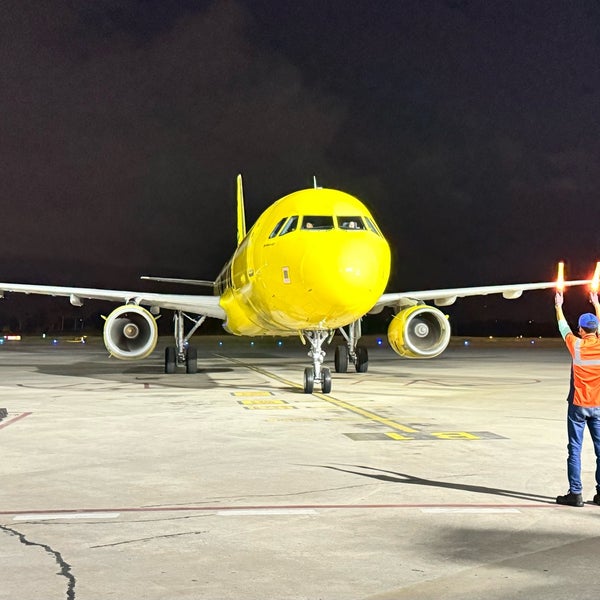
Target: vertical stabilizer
{"points": [[241, 215]]}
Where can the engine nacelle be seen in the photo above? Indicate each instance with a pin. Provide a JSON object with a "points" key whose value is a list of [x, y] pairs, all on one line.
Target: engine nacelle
{"points": [[130, 332], [419, 331]]}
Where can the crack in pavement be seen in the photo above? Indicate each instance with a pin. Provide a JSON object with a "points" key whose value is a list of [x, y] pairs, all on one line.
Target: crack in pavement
{"points": [[147, 539], [65, 568]]}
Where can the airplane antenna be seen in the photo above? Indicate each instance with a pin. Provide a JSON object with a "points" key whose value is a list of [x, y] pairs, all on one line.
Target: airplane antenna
{"points": [[241, 215], [317, 187]]}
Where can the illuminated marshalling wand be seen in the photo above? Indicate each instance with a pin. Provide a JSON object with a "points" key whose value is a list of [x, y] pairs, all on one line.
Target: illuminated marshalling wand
{"points": [[560, 278], [595, 279]]}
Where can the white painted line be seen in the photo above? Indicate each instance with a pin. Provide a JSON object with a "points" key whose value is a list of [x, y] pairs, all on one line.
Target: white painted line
{"points": [[54, 516], [267, 511], [469, 510]]}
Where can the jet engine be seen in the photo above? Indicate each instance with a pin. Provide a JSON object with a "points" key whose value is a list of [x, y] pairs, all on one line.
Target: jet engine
{"points": [[419, 331], [130, 332]]}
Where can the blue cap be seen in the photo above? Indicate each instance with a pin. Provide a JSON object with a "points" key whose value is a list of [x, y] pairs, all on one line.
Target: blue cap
{"points": [[589, 321]]}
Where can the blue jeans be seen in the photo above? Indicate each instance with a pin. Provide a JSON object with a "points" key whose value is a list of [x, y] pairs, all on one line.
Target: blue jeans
{"points": [[577, 418]]}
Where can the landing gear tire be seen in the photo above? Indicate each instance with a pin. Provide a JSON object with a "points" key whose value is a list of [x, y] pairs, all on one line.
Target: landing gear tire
{"points": [[170, 359], [191, 360], [309, 380], [341, 359], [325, 381], [362, 359]]}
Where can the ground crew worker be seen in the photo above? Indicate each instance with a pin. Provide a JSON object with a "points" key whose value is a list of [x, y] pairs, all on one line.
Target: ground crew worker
{"points": [[584, 396]]}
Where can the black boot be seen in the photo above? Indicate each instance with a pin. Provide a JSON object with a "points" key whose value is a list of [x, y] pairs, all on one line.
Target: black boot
{"points": [[571, 499]]}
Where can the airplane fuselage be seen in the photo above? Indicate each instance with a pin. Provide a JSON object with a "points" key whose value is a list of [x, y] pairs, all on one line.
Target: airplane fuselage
{"points": [[313, 260]]}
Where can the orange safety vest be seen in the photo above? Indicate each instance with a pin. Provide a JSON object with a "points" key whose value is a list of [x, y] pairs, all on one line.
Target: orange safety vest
{"points": [[585, 353]]}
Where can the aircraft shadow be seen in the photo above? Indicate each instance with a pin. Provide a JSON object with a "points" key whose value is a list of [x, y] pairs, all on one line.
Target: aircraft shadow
{"points": [[406, 479]]}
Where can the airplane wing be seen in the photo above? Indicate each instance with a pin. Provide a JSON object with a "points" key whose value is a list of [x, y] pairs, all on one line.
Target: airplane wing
{"points": [[200, 305], [446, 297]]}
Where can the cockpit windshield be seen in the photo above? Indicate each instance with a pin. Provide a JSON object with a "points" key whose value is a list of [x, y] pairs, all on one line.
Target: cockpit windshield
{"points": [[317, 222], [351, 223]]}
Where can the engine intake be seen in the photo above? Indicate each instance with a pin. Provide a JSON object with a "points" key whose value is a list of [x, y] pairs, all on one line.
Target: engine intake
{"points": [[130, 332], [419, 331]]}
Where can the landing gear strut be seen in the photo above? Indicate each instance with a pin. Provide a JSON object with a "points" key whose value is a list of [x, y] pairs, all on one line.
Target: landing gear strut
{"points": [[351, 352], [182, 354], [317, 373]]}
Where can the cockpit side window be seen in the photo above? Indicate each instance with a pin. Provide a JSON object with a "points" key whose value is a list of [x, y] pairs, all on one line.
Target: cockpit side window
{"points": [[290, 225], [317, 222], [277, 228], [372, 226], [351, 223]]}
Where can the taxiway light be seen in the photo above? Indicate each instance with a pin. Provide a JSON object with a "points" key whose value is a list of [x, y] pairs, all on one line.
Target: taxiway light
{"points": [[560, 278], [1, 341], [379, 342], [596, 279]]}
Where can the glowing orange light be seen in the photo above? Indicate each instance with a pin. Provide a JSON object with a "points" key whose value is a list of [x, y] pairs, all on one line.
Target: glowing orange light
{"points": [[596, 279], [560, 278]]}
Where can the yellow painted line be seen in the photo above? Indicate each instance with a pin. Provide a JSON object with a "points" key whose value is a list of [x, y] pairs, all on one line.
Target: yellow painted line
{"points": [[252, 394], [269, 407], [367, 414], [270, 402]]}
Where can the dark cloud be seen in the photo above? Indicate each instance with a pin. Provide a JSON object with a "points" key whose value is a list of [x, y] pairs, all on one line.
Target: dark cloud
{"points": [[469, 128], [127, 148]]}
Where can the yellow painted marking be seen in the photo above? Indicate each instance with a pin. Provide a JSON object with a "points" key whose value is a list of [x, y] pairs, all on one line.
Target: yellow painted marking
{"points": [[270, 402], [345, 405], [269, 407], [398, 436], [455, 435], [257, 393]]}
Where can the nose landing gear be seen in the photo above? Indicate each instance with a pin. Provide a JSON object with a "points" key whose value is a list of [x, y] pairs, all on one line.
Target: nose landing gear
{"points": [[317, 373]]}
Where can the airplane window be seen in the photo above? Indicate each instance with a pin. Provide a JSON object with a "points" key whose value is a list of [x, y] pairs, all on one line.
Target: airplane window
{"points": [[290, 225], [317, 222], [372, 226], [277, 228], [351, 223]]}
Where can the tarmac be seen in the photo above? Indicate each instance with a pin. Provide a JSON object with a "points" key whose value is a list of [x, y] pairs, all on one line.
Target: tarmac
{"points": [[420, 479]]}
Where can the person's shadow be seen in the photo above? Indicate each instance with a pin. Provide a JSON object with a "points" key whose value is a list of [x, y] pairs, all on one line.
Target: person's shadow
{"points": [[404, 478]]}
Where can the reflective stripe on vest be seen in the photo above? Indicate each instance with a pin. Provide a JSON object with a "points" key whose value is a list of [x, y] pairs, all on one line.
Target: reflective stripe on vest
{"points": [[582, 362]]}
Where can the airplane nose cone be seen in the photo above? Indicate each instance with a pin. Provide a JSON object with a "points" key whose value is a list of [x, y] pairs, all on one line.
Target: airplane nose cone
{"points": [[349, 276], [357, 270]]}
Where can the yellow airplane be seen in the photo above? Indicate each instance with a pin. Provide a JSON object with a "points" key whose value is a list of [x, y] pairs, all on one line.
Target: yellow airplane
{"points": [[314, 262]]}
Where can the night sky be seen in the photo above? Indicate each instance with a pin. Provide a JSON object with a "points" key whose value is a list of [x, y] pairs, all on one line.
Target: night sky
{"points": [[471, 129]]}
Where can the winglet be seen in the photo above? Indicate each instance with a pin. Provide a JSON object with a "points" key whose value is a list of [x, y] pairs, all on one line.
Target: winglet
{"points": [[241, 215]]}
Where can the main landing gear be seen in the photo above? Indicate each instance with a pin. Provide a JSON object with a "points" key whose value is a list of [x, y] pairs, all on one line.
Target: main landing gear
{"points": [[351, 352], [182, 354]]}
